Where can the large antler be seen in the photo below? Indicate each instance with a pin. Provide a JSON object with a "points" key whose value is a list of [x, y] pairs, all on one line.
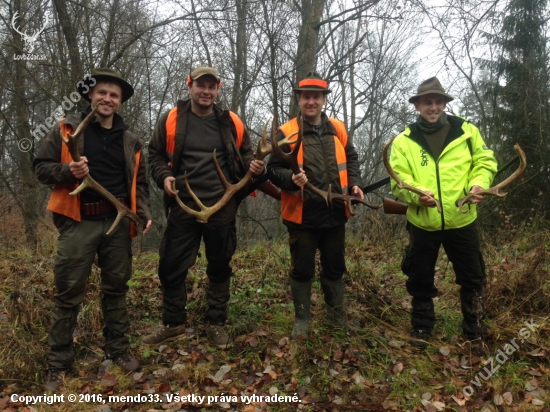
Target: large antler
{"points": [[89, 183], [495, 190], [400, 183], [292, 159], [262, 151]]}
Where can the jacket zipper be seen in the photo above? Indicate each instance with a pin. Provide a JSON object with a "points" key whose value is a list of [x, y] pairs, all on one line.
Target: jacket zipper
{"points": [[439, 193]]}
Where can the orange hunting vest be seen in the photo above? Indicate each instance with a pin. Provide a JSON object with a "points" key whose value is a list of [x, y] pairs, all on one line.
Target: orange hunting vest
{"points": [[171, 126], [292, 203], [64, 204]]}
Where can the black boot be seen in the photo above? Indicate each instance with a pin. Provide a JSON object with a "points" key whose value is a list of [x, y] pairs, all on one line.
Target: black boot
{"points": [[334, 301], [422, 321], [301, 295], [473, 312]]}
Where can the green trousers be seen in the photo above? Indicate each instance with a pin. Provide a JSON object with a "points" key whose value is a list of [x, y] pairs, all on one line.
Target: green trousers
{"points": [[78, 244]]}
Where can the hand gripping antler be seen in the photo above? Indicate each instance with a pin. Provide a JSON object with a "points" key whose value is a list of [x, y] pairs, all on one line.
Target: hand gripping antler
{"points": [[89, 183], [495, 190], [262, 151], [402, 185], [292, 159]]}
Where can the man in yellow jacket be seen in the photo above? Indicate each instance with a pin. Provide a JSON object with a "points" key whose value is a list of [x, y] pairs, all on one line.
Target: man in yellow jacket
{"points": [[446, 157]]}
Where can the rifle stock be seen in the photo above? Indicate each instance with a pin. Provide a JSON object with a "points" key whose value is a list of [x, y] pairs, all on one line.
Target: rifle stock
{"points": [[394, 207]]}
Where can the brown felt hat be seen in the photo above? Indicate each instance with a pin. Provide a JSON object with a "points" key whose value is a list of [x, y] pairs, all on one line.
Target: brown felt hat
{"points": [[103, 74], [430, 86], [312, 83]]}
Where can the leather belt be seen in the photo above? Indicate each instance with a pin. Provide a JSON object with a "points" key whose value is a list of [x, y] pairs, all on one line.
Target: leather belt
{"points": [[99, 208]]}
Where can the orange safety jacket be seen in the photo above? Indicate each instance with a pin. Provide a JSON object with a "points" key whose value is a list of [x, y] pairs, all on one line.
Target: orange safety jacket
{"points": [[63, 203], [292, 203], [171, 126]]}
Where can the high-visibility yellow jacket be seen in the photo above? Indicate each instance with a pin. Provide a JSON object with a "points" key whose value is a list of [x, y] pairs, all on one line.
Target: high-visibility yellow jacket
{"points": [[460, 166]]}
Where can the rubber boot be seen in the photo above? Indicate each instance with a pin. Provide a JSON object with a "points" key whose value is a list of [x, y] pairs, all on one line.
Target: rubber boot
{"points": [[422, 321], [301, 295], [473, 312], [334, 302]]}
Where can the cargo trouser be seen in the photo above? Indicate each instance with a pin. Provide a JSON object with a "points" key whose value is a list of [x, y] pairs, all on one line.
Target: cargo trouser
{"points": [[78, 244], [178, 252]]}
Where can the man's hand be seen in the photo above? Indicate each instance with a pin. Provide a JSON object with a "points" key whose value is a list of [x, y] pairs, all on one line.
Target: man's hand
{"points": [[299, 179], [168, 186], [357, 192], [477, 198], [79, 169], [148, 226], [257, 167], [427, 201]]}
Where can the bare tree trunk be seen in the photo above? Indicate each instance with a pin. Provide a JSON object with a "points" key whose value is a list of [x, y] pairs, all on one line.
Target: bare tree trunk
{"points": [[308, 42], [27, 193]]}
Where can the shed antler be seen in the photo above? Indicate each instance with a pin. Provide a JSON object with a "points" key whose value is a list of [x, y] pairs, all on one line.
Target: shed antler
{"points": [[292, 159], [262, 151], [89, 183], [400, 183], [495, 190]]}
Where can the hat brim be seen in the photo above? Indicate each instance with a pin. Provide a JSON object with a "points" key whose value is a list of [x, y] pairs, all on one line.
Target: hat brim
{"points": [[448, 98], [311, 89], [127, 89]]}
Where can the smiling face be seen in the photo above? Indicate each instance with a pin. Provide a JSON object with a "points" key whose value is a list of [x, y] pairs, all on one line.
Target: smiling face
{"points": [[312, 103], [109, 97], [203, 92], [430, 106]]}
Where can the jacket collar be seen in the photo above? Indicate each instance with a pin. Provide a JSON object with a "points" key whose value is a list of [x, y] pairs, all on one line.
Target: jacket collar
{"points": [[455, 132], [74, 119], [221, 114]]}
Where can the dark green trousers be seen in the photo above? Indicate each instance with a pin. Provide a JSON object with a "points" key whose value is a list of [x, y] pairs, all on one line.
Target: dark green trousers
{"points": [[78, 244]]}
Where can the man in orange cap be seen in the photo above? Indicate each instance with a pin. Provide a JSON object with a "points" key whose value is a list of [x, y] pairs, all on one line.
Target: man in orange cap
{"points": [[327, 159]]}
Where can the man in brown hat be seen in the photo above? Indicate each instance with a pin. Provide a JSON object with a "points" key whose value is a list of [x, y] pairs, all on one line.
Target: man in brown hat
{"points": [[112, 156], [328, 160], [446, 157], [181, 148]]}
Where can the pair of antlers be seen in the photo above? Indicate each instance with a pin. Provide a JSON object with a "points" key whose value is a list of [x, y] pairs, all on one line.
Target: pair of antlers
{"points": [[89, 183], [264, 149], [493, 191]]}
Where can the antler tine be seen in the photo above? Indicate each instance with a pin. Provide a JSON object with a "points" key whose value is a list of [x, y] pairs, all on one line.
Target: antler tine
{"points": [[495, 190], [351, 200], [89, 182], [400, 183]]}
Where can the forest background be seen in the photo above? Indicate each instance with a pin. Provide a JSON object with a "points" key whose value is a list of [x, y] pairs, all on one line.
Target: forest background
{"points": [[491, 55]]}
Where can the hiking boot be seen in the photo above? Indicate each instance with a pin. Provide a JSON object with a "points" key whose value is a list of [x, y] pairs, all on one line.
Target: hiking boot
{"points": [[334, 302], [301, 296], [54, 378], [418, 337], [127, 362], [218, 336], [165, 334]]}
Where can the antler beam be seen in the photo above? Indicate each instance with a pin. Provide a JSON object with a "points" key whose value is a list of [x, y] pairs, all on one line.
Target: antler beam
{"points": [[206, 212], [495, 190], [402, 185], [89, 183]]}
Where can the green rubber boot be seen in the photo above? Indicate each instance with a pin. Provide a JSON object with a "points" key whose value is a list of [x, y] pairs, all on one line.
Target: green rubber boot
{"points": [[301, 295]]}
